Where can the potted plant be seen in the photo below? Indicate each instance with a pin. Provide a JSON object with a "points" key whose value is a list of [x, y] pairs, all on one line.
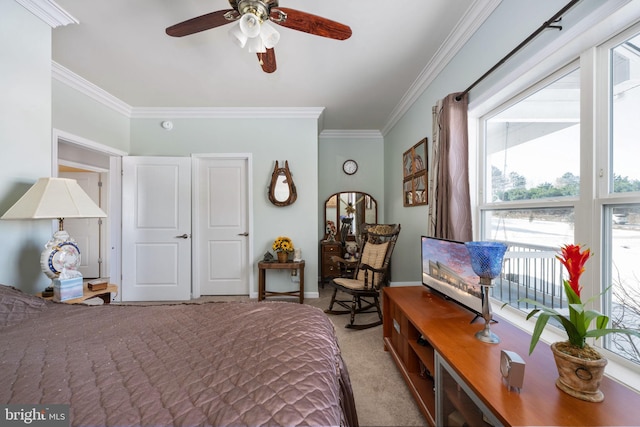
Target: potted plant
{"points": [[580, 366], [283, 246]]}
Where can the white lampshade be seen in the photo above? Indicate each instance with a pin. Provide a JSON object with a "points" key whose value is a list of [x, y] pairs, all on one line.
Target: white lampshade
{"points": [[269, 35], [255, 45], [56, 198], [51, 198], [250, 25], [238, 36]]}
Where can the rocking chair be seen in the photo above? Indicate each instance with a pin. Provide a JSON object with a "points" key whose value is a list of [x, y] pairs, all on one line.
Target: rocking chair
{"points": [[371, 273]]}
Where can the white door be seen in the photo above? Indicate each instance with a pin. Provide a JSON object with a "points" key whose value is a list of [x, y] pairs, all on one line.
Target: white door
{"points": [[156, 228], [221, 242], [86, 231]]}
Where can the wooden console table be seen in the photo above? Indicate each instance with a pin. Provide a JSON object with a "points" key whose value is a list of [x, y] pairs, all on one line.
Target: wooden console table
{"points": [[413, 312], [263, 266]]}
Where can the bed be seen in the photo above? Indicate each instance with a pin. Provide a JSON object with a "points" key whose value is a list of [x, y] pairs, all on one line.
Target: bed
{"points": [[219, 364]]}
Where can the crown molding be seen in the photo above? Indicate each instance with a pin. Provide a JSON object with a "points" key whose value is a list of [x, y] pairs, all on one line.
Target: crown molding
{"points": [[71, 79], [351, 134], [49, 12], [228, 113], [473, 18]]}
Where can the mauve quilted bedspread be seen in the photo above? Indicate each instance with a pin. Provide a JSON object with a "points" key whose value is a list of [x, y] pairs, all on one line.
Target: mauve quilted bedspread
{"points": [[219, 364]]}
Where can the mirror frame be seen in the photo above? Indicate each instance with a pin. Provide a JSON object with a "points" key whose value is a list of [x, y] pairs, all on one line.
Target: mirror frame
{"points": [[336, 219], [277, 172]]}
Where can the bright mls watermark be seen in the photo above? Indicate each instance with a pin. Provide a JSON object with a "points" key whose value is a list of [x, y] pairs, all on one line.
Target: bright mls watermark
{"points": [[35, 415]]}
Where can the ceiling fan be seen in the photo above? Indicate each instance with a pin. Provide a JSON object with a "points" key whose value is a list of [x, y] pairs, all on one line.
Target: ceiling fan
{"points": [[254, 31]]}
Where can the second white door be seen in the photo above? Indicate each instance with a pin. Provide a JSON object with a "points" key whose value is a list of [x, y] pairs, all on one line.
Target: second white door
{"points": [[221, 226]]}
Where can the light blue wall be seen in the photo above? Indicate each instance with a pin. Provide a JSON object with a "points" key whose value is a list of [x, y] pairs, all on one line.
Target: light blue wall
{"points": [[78, 114], [267, 140], [332, 152], [25, 139]]}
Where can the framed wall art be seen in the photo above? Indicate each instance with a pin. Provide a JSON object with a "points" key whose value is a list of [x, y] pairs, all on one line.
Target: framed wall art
{"points": [[414, 182]]}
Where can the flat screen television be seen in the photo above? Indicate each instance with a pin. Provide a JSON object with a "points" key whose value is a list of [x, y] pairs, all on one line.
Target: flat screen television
{"points": [[446, 268]]}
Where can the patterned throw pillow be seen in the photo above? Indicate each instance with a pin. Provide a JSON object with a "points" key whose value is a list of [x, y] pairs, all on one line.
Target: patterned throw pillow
{"points": [[373, 255]]}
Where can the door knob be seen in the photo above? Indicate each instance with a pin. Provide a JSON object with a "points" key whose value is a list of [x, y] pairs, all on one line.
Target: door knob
{"points": [[183, 236], [245, 234]]}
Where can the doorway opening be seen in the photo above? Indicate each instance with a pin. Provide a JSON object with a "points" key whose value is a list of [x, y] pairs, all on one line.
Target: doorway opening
{"points": [[85, 161]]}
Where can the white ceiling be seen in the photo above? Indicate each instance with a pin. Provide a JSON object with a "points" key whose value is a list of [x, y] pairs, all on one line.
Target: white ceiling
{"points": [[363, 82]]}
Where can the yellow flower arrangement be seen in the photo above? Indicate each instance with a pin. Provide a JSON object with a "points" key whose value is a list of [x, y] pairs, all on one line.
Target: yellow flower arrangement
{"points": [[282, 244]]}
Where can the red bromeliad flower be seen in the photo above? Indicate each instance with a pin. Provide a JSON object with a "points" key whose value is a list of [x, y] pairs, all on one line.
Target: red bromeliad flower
{"points": [[577, 323], [574, 261]]}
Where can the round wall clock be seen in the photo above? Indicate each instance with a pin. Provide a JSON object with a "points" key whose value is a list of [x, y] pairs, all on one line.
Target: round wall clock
{"points": [[350, 167]]}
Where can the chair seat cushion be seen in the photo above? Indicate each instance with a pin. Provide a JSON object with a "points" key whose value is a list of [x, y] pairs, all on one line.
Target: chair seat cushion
{"points": [[353, 284], [373, 255]]}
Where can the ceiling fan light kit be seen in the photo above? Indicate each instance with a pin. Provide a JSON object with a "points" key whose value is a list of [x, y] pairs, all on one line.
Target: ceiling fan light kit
{"points": [[266, 37], [250, 25], [269, 35], [238, 36], [254, 31]]}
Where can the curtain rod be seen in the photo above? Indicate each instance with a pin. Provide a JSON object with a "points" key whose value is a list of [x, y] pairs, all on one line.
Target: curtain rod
{"points": [[547, 24]]}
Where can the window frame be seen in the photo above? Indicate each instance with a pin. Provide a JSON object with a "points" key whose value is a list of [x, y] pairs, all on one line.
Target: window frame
{"points": [[605, 199]]}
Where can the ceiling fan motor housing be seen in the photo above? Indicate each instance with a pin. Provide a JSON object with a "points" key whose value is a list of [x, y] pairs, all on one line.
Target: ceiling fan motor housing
{"points": [[259, 8]]}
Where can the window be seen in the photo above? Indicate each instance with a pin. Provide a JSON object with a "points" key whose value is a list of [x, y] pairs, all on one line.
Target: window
{"points": [[532, 158], [624, 95], [621, 202], [533, 146], [550, 179], [623, 275]]}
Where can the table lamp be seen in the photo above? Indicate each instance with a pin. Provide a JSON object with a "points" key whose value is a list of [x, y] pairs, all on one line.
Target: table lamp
{"points": [[56, 198], [486, 261]]}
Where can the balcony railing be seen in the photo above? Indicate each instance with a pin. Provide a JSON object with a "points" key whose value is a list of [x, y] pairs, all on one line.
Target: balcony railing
{"points": [[530, 271]]}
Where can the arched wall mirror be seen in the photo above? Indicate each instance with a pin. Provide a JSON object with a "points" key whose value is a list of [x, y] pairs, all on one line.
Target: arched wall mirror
{"points": [[349, 210], [282, 190]]}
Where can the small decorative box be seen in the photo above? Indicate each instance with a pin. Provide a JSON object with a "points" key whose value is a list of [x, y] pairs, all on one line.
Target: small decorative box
{"points": [[66, 289]]}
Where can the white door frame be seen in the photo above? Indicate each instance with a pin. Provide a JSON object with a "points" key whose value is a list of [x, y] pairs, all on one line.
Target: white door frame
{"points": [[112, 198], [195, 169]]}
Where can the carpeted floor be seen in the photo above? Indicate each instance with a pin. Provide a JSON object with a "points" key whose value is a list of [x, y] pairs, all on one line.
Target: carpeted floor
{"points": [[382, 397]]}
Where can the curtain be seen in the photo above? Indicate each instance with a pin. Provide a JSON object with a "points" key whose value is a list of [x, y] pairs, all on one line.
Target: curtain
{"points": [[449, 199], [433, 168]]}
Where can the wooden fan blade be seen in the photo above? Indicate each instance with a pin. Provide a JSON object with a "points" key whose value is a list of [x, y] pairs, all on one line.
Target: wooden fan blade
{"points": [[312, 24], [267, 60], [200, 23]]}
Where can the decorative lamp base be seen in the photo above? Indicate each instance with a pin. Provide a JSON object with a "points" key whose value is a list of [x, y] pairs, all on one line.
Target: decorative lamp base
{"points": [[486, 335]]}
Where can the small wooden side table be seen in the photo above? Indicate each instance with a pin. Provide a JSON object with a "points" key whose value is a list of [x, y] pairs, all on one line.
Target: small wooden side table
{"points": [[263, 266], [104, 294]]}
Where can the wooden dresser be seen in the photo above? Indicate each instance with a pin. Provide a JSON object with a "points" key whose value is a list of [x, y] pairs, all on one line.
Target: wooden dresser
{"points": [[455, 378], [328, 268]]}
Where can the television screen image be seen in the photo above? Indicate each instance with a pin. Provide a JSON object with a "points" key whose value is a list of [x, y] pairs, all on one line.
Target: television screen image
{"points": [[446, 268]]}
